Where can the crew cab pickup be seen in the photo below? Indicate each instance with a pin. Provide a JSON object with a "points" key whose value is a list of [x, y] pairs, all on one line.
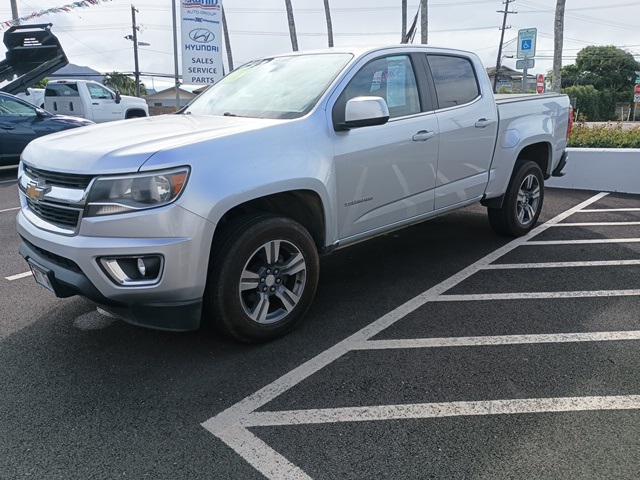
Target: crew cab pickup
{"points": [[219, 213], [91, 100]]}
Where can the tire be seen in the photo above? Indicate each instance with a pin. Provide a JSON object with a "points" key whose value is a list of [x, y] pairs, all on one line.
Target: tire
{"points": [[522, 203], [240, 308]]}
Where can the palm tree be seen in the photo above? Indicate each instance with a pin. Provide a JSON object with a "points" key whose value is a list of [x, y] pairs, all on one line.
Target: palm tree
{"points": [[404, 20], [123, 83], [292, 25], [327, 13], [227, 43], [424, 21], [556, 81]]}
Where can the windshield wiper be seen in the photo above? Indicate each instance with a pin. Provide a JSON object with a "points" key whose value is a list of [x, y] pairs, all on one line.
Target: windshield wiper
{"points": [[229, 114]]}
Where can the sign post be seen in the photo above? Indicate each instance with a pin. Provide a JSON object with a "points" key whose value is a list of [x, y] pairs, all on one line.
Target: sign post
{"points": [[527, 40], [200, 22]]}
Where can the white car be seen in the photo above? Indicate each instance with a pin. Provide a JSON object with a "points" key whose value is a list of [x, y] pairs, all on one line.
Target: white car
{"points": [[91, 100], [219, 214]]}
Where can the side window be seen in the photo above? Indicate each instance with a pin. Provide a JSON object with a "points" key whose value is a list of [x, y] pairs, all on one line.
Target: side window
{"points": [[391, 78], [61, 90], [12, 108], [98, 92], [455, 80]]}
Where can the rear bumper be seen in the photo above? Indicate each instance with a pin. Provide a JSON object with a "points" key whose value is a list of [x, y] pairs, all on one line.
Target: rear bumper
{"points": [[558, 172]]}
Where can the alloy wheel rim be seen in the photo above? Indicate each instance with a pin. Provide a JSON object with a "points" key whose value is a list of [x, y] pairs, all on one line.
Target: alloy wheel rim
{"points": [[272, 282], [528, 200]]}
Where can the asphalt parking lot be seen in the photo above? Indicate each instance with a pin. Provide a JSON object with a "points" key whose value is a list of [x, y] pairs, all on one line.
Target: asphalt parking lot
{"points": [[441, 351]]}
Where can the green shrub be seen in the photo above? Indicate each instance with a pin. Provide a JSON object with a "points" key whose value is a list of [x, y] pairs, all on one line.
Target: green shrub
{"points": [[592, 105], [604, 136]]}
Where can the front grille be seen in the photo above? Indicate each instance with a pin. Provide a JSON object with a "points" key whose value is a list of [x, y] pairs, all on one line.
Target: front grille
{"points": [[57, 215], [67, 180]]}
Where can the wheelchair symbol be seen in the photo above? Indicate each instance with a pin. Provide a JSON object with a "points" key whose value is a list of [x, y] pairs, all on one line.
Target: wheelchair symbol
{"points": [[526, 44]]}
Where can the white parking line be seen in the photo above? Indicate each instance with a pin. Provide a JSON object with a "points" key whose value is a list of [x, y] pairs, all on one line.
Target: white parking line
{"points": [[9, 181], [479, 297], [13, 209], [228, 425], [18, 276], [498, 340], [583, 242], [597, 224], [593, 263], [605, 210], [439, 410]]}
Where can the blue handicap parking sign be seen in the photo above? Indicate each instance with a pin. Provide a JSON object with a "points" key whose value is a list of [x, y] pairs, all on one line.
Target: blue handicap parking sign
{"points": [[526, 44]]}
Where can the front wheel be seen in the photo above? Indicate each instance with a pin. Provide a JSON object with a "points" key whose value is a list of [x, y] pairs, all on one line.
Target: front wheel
{"points": [[522, 203], [263, 278]]}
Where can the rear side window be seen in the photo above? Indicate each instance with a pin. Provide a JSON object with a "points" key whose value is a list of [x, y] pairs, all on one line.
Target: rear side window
{"points": [[62, 90], [455, 80]]}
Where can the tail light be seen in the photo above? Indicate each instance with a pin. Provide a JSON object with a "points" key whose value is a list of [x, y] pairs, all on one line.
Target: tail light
{"points": [[572, 120]]}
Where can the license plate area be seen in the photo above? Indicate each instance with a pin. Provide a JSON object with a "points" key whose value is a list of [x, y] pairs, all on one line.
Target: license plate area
{"points": [[41, 275]]}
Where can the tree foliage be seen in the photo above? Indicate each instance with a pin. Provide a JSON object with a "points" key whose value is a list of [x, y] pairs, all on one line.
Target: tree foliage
{"points": [[605, 67], [123, 83]]}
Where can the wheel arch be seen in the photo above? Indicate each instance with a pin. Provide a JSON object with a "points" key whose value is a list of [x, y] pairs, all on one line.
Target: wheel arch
{"points": [[135, 112]]}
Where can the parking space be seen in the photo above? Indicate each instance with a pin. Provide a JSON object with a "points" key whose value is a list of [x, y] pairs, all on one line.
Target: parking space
{"points": [[499, 371], [441, 351]]}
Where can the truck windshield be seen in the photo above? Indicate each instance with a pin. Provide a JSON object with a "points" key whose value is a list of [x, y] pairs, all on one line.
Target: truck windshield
{"points": [[279, 88]]}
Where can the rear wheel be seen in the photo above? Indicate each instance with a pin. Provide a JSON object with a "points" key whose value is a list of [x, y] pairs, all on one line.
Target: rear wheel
{"points": [[523, 202], [263, 278]]}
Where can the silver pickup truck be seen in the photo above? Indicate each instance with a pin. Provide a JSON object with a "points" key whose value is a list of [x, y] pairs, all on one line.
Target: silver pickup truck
{"points": [[219, 213]]}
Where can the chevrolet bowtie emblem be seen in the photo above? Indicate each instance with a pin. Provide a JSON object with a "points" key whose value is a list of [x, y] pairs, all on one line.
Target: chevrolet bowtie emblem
{"points": [[37, 191]]}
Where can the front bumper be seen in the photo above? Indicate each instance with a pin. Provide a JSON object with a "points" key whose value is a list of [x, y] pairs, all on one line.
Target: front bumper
{"points": [[174, 303]]}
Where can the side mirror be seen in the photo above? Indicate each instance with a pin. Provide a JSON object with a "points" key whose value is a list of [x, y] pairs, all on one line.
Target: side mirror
{"points": [[41, 113], [118, 97], [366, 112]]}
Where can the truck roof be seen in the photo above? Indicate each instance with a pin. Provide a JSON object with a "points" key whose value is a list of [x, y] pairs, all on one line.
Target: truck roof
{"points": [[363, 50]]}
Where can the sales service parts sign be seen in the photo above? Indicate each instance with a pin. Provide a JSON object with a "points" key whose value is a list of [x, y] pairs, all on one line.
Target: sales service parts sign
{"points": [[201, 22]]}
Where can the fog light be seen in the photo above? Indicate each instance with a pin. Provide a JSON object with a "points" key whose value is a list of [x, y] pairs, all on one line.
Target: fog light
{"points": [[141, 267], [133, 271]]}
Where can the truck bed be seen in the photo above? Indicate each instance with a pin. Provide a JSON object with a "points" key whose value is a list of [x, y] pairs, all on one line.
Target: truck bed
{"points": [[502, 98]]}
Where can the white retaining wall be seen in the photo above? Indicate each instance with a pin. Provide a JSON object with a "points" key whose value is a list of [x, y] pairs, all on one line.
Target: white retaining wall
{"points": [[602, 169]]}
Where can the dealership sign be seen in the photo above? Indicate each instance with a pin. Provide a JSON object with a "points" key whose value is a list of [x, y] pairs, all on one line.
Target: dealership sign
{"points": [[200, 23]]}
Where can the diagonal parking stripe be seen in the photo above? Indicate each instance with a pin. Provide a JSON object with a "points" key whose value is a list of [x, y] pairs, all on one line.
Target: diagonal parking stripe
{"points": [[231, 425], [592, 263], [475, 297]]}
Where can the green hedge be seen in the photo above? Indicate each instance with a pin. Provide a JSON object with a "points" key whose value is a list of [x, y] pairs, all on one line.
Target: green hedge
{"points": [[610, 136]]}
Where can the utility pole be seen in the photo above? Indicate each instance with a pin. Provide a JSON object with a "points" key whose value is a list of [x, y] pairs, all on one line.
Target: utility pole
{"points": [[404, 20], [175, 53], [227, 42], [424, 21], [505, 13], [292, 25], [558, 41], [327, 14], [14, 12], [134, 37]]}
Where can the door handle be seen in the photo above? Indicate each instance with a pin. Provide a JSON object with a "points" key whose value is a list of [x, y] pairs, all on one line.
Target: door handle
{"points": [[423, 136], [5, 126], [483, 123], [95, 103]]}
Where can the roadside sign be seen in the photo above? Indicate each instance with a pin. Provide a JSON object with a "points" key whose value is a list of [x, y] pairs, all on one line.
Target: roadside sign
{"points": [[528, 62], [527, 39], [636, 94], [540, 83]]}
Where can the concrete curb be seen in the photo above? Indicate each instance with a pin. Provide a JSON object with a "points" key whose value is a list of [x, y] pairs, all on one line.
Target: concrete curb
{"points": [[602, 169]]}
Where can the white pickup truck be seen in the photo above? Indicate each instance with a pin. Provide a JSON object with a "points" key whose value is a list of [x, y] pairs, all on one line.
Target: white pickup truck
{"points": [[91, 100], [219, 213]]}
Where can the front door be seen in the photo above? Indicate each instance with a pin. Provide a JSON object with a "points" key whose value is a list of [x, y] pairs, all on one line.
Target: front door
{"points": [[385, 174], [16, 128], [103, 104]]}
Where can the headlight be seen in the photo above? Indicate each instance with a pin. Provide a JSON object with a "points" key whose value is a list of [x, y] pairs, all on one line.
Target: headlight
{"points": [[112, 195]]}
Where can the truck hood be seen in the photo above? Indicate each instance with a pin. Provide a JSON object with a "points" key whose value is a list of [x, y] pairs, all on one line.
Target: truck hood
{"points": [[124, 146], [133, 100]]}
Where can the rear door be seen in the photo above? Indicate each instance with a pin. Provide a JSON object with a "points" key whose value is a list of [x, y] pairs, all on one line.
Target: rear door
{"points": [[63, 98], [385, 174], [103, 103], [468, 121]]}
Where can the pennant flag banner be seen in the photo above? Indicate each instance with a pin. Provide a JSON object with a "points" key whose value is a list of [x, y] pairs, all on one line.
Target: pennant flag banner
{"points": [[47, 11]]}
